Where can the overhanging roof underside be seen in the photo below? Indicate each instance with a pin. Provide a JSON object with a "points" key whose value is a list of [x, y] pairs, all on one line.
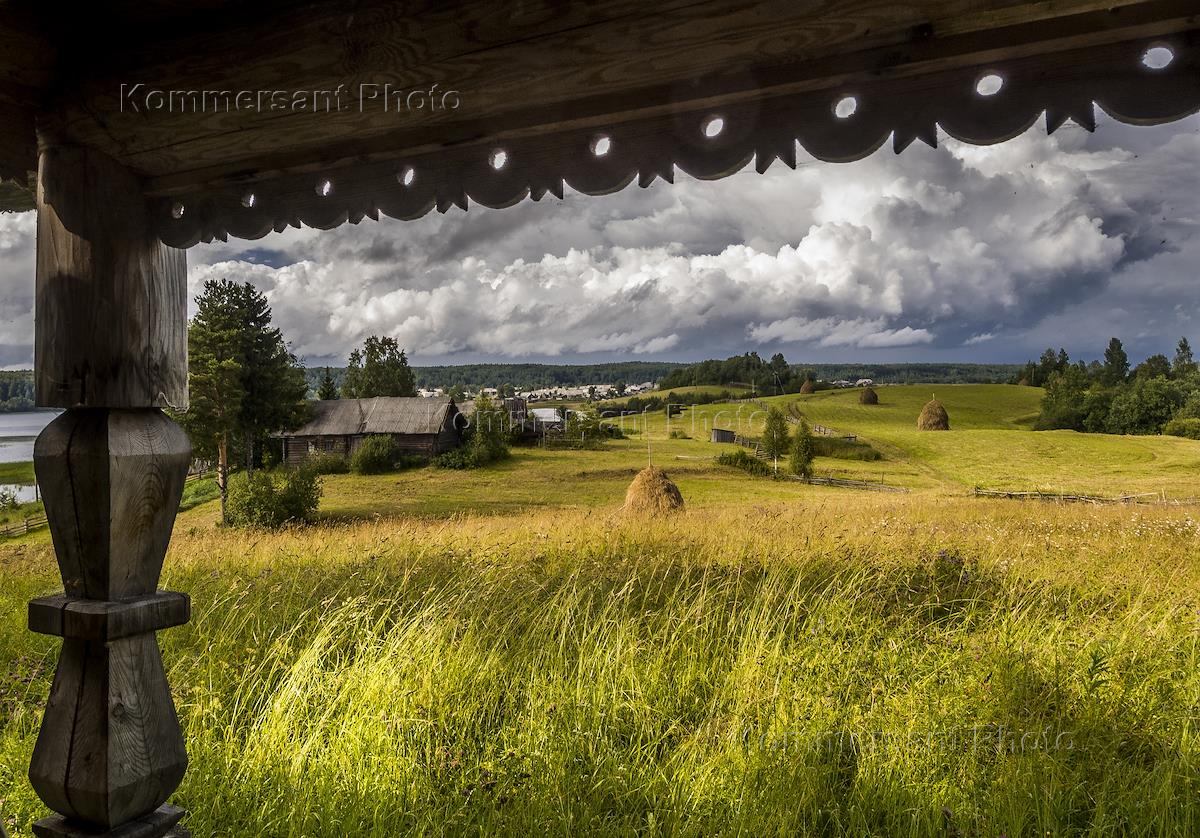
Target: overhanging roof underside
{"points": [[548, 95]]}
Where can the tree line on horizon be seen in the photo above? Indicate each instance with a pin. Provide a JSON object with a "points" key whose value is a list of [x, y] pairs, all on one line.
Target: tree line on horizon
{"points": [[1159, 395], [779, 376], [16, 391]]}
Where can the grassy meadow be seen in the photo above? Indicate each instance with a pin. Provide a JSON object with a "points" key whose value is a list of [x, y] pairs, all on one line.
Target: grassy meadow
{"points": [[502, 652]]}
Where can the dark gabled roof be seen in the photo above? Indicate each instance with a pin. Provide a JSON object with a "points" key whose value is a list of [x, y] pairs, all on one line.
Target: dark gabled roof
{"points": [[381, 415]]}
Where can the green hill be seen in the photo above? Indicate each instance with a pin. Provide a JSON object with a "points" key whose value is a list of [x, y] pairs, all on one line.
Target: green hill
{"points": [[990, 443]]}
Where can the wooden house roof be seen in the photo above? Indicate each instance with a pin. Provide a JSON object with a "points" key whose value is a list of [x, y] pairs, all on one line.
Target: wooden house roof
{"points": [[380, 415], [445, 104]]}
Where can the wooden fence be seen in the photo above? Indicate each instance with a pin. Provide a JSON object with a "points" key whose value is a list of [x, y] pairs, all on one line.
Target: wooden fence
{"points": [[848, 483], [1156, 498], [22, 527]]}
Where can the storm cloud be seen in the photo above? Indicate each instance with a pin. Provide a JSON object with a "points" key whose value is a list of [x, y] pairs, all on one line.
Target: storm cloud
{"points": [[957, 253]]}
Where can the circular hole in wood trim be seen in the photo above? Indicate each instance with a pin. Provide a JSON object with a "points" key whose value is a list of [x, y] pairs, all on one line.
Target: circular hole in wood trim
{"points": [[325, 188], [406, 176], [601, 145], [713, 126], [989, 85], [178, 209], [498, 159], [845, 107], [249, 200], [1158, 58]]}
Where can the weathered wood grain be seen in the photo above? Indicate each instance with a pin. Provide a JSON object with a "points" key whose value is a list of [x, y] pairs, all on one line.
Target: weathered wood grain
{"points": [[27, 60], [111, 327], [102, 621], [658, 57], [51, 761], [145, 749], [111, 482], [154, 825], [110, 748]]}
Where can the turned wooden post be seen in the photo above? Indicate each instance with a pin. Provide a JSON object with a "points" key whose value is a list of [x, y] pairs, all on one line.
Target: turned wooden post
{"points": [[111, 348]]}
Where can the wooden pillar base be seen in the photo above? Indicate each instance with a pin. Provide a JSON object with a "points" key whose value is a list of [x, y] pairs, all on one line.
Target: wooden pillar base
{"points": [[157, 824], [110, 750]]}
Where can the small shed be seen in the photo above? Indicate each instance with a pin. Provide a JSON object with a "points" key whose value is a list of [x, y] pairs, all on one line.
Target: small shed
{"points": [[723, 435], [424, 427]]}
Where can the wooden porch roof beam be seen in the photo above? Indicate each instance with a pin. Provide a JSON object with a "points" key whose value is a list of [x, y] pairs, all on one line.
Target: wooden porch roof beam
{"points": [[549, 67]]}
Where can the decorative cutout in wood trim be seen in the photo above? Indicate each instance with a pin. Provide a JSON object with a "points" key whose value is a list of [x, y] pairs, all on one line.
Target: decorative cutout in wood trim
{"points": [[1064, 85]]}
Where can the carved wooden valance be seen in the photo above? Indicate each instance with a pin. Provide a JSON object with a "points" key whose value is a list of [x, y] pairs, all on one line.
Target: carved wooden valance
{"points": [[529, 99], [1143, 82]]}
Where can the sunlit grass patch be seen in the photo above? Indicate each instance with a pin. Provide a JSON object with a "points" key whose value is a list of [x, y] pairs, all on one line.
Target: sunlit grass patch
{"points": [[891, 668]]}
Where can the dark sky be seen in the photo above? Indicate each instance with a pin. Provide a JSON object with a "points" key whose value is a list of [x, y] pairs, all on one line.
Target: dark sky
{"points": [[963, 253]]}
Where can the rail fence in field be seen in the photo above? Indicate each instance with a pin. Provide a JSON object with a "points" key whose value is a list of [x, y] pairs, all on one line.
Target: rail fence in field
{"points": [[848, 483], [22, 527], [1155, 498]]}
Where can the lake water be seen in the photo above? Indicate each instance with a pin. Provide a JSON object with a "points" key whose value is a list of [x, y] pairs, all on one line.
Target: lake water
{"points": [[18, 431]]}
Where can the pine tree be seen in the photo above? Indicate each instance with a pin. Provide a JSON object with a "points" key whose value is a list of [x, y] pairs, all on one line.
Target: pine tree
{"points": [[1116, 364], [803, 451], [215, 396], [244, 382], [328, 389], [1184, 364]]}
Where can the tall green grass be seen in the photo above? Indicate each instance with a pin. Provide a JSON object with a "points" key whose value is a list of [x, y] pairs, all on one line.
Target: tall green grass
{"points": [[904, 669]]}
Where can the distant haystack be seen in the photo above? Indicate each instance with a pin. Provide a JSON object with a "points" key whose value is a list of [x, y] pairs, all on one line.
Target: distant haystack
{"points": [[807, 387], [933, 417], [653, 493], [868, 396]]}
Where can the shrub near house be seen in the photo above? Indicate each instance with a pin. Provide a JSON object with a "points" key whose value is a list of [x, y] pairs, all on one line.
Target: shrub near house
{"points": [[376, 455], [486, 438], [272, 499]]}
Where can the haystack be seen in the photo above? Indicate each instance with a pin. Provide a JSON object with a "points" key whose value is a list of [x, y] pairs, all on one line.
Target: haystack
{"points": [[868, 396], [807, 387], [653, 493], [933, 417]]}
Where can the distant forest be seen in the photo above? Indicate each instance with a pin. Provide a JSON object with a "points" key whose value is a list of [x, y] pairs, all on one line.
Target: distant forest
{"points": [[778, 375], [474, 377], [16, 391]]}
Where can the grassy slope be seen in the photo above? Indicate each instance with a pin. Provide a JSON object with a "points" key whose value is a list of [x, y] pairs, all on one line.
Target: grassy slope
{"points": [[776, 661], [772, 669], [21, 473], [990, 443]]}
